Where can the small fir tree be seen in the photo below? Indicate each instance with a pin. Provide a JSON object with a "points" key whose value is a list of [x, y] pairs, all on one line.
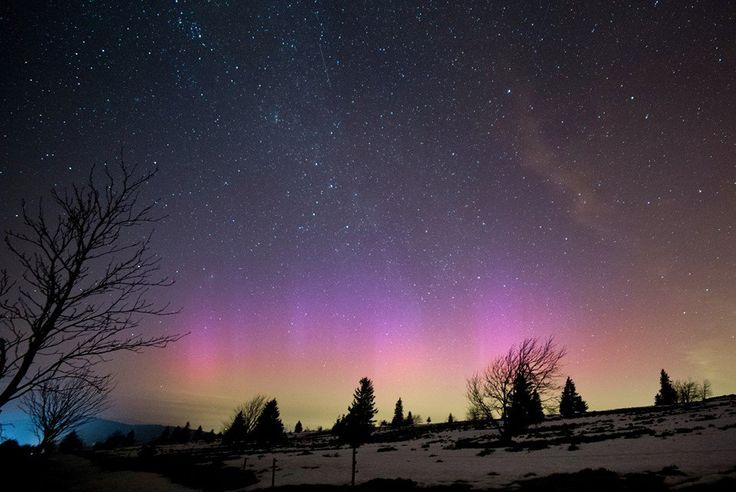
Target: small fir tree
{"points": [[298, 427], [269, 429], [338, 428], [359, 422], [398, 419], [525, 407], [409, 419], [536, 412], [198, 434], [571, 403], [450, 419], [165, 436], [130, 438], [71, 443], [236, 431], [667, 393]]}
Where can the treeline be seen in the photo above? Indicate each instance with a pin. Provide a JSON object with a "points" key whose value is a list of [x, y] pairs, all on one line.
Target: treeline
{"points": [[516, 390], [183, 435], [257, 421], [117, 439], [678, 391]]}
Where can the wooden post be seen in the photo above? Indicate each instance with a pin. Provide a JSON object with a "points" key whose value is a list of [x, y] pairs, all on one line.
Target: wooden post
{"points": [[245, 462], [273, 474], [352, 482]]}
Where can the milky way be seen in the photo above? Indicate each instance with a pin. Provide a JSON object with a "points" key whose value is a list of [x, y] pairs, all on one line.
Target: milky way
{"points": [[398, 191]]}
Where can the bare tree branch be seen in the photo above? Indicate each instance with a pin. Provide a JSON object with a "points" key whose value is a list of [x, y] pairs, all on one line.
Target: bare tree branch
{"points": [[489, 392], [250, 411], [59, 407], [87, 274]]}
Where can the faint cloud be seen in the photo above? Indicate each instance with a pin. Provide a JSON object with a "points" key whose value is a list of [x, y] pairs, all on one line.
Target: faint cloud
{"points": [[574, 180]]}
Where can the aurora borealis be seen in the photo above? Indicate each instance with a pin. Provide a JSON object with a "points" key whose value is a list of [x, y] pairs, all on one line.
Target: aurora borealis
{"points": [[398, 190]]}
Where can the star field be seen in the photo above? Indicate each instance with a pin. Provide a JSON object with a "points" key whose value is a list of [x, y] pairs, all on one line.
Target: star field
{"points": [[398, 190]]}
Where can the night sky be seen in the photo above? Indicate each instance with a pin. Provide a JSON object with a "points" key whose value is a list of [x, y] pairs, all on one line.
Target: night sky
{"points": [[398, 190]]}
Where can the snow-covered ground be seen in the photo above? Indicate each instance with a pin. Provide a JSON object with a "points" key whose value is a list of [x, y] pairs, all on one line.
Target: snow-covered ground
{"points": [[700, 441]]}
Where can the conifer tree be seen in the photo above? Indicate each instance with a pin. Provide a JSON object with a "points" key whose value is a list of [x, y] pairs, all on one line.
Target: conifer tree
{"points": [[269, 429], [536, 412], [409, 419], [130, 438], [71, 443], [571, 403], [338, 428], [236, 431], [298, 427], [165, 436], [358, 423], [525, 407], [398, 419], [667, 394], [198, 434], [450, 419]]}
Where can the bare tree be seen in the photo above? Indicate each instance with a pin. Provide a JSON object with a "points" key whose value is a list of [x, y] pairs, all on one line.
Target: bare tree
{"points": [[85, 273], [60, 406], [705, 390], [687, 391], [244, 419], [490, 392]]}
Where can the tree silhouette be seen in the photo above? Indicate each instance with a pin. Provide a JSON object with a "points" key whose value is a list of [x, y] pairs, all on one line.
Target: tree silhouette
{"points": [[236, 431], [86, 273], [490, 392], [398, 419], [338, 428], [450, 419], [198, 434], [59, 406], [571, 403], [298, 429], [269, 429], [71, 443], [409, 419], [667, 394], [244, 419], [525, 407], [181, 435], [706, 390], [130, 438], [687, 391], [358, 424], [165, 436], [115, 440]]}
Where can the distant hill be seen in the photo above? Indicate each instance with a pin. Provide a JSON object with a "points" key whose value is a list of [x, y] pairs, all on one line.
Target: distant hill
{"points": [[99, 429]]}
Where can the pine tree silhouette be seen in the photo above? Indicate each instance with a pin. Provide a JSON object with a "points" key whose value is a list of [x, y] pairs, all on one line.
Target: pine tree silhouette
{"points": [[409, 419], [536, 412], [450, 419], [571, 403], [338, 428], [71, 443], [198, 434], [236, 431], [358, 423], [525, 407], [667, 394], [269, 429], [398, 419], [298, 427]]}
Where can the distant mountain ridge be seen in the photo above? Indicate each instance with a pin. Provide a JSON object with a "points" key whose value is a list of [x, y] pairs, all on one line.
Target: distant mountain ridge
{"points": [[100, 429]]}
